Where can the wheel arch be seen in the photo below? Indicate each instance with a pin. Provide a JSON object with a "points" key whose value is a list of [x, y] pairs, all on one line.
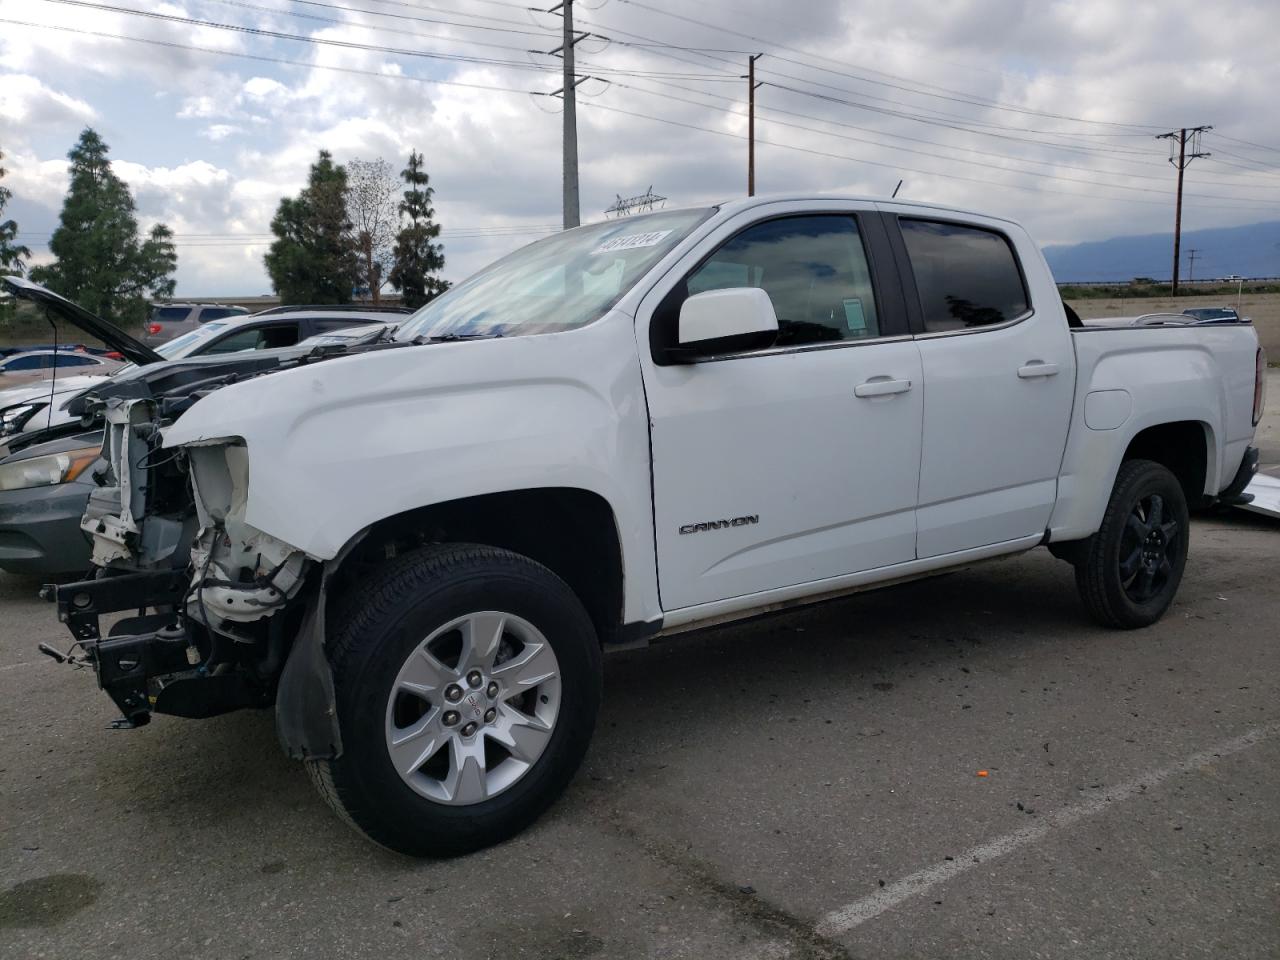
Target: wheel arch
{"points": [[571, 531], [1186, 447]]}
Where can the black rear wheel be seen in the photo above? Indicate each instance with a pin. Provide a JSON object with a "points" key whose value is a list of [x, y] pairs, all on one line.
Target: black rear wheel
{"points": [[1132, 566]]}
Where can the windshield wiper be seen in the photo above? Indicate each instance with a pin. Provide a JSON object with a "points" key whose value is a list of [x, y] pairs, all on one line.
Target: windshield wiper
{"points": [[454, 337]]}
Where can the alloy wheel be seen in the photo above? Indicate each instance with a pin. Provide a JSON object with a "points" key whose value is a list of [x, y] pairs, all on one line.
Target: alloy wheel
{"points": [[1149, 548], [473, 708]]}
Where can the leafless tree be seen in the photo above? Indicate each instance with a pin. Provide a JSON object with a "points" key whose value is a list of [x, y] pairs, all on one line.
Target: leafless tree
{"points": [[373, 209]]}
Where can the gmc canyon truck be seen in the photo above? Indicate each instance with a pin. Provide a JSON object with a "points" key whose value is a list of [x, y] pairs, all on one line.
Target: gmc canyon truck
{"points": [[416, 549]]}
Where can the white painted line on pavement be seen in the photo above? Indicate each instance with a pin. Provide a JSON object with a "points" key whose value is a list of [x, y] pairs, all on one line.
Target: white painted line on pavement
{"points": [[844, 919]]}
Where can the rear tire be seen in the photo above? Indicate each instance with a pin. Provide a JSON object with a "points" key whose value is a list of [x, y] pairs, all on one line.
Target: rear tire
{"points": [[1132, 566], [468, 680]]}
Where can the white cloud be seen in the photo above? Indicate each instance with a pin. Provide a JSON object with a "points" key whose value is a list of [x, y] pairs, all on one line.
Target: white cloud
{"points": [[263, 88], [25, 100], [239, 134], [199, 108], [43, 182], [220, 131]]}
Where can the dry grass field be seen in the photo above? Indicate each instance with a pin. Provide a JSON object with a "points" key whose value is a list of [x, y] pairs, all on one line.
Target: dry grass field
{"points": [[1263, 308]]}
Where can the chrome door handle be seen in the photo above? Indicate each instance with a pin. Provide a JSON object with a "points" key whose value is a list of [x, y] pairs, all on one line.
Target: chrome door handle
{"points": [[877, 387], [1035, 369]]}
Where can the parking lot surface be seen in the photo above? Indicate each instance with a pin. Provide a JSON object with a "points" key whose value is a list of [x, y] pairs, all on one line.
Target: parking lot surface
{"points": [[804, 786]]}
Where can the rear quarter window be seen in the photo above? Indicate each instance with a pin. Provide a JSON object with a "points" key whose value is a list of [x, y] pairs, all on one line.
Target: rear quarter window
{"points": [[967, 277]]}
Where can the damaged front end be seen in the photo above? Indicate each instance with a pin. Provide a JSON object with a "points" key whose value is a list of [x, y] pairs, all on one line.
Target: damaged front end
{"points": [[217, 603]]}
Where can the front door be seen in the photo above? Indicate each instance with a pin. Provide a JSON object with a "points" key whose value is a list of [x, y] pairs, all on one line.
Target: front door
{"points": [[797, 461]]}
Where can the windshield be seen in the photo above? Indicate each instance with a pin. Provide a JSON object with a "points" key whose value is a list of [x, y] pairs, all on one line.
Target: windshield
{"points": [[556, 284], [185, 345]]}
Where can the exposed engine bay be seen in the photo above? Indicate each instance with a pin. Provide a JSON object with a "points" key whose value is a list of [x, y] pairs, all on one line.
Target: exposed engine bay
{"points": [[218, 604]]}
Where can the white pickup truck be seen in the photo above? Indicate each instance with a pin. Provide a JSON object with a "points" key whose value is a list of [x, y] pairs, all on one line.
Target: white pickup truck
{"points": [[416, 549]]}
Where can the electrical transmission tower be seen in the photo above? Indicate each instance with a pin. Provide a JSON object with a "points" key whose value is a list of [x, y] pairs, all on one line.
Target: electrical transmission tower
{"points": [[644, 203], [1180, 156], [568, 90]]}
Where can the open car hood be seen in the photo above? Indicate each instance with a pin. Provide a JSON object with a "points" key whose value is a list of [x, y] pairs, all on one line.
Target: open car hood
{"points": [[115, 338]]}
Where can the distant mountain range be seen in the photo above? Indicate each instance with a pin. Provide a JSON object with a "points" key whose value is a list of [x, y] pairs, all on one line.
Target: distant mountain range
{"points": [[1249, 251]]}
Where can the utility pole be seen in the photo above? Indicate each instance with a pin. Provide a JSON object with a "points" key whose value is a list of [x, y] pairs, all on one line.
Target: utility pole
{"points": [[1182, 137], [751, 123], [568, 90], [1192, 254]]}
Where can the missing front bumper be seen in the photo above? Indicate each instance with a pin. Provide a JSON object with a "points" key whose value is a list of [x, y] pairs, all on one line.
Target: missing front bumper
{"points": [[149, 663]]}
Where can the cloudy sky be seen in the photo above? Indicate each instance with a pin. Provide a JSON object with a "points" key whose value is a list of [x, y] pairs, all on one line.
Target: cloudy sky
{"points": [[1045, 111]]}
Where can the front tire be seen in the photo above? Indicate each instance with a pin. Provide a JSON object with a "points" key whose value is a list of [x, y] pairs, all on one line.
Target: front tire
{"points": [[1132, 566], [468, 681]]}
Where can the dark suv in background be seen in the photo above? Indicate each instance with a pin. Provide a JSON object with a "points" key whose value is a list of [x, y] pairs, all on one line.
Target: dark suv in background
{"points": [[170, 319]]}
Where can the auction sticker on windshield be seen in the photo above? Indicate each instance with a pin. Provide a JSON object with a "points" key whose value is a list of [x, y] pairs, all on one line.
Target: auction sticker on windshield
{"points": [[631, 241]]}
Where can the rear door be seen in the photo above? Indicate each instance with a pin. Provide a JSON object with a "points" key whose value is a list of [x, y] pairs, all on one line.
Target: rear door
{"points": [[999, 380], [797, 461]]}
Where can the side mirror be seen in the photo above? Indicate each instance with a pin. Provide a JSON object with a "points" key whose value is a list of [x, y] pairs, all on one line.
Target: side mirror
{"points": [[716, 315]]}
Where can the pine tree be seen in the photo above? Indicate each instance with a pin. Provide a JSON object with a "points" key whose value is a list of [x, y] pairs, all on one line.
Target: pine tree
{"points": [[417, 258], [12, 255], [313, 259], [101, 263]]}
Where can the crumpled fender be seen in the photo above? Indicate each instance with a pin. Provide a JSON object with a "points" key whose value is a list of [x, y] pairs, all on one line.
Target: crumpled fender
{"points": [[338, 445]]}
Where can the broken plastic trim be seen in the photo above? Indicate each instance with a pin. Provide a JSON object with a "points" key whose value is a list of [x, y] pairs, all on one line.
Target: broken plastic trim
{"points": [[306, 701]]}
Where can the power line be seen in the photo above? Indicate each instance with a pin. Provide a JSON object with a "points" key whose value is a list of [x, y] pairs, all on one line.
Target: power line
{"points": [[898, 136], [951, 159], [260, 58], [399, 30], [1248, 143], [597, 106], [919, 114], [523, 26], [343, 44], [950, 94]]}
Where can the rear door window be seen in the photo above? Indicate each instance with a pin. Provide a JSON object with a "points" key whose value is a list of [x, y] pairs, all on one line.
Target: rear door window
{"points": [[967, 277]]}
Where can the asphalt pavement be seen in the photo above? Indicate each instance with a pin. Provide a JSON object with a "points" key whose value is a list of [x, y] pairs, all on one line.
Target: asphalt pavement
{"points": [[805, 786]]}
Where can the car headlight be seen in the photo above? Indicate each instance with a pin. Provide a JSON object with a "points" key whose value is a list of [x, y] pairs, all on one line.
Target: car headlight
{"points": [[47, 471], [13, 419]]}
